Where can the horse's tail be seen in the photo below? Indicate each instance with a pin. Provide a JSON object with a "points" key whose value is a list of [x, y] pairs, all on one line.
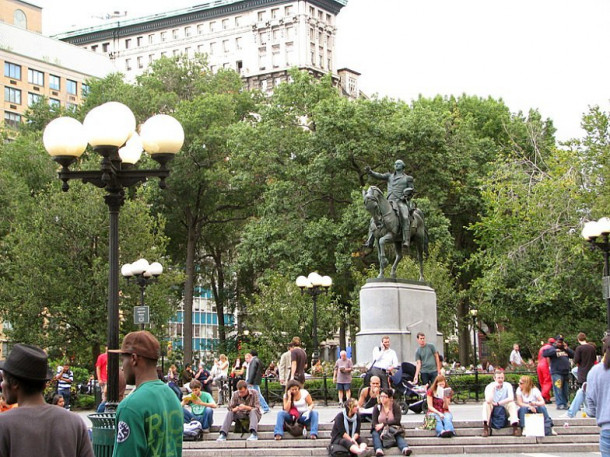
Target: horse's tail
{"points": [[426, 250]]}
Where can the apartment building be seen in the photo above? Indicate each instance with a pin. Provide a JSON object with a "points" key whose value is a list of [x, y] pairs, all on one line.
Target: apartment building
{"points": [[260, 39], [36, 66]]}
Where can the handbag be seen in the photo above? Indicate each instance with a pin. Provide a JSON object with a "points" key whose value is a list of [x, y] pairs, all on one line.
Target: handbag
{"points": [[294, 428], [388, 435], [429, 422], [336, 450], [534, 425]]}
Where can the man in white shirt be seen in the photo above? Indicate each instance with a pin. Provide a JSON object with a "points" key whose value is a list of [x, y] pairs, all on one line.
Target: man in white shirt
{"points": [[515, 356], [499, 393], [385, 361]]}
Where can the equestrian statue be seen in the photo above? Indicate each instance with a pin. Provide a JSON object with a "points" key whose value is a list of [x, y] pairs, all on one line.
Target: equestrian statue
{"points": [[395, 219]]}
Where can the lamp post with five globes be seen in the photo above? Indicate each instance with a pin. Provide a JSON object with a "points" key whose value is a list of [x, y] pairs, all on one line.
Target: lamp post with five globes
{"points": [[314, 285], [596, 233], [143, 274], [110, 130]]}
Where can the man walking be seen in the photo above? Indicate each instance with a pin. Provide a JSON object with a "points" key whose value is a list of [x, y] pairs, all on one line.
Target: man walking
{"points": [[298, 360], [254, 375], [101, 371], [36, 428], [149, 421], [544, 371], [559, 355], [427, 361], [584, 358]]}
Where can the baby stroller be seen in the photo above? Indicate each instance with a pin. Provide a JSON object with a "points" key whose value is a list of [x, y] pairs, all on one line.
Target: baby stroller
{"points": [[408, 395]]}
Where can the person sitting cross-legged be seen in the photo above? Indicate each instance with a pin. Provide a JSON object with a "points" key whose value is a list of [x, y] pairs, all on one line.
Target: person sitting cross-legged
{"points": [[346, 430], [243, 405], [202, 406], [500, 393], [297, 403]]}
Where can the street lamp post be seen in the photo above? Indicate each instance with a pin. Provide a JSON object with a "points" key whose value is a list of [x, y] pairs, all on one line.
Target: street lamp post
{"points": [[596, 233], [143, 274], [473, 313], [110, 130], [314, 285]]}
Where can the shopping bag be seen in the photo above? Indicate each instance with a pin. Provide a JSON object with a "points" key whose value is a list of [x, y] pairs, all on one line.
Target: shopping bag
{"points": [[534, 425]]}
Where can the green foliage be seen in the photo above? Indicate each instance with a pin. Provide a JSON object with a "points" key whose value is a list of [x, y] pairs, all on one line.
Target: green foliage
{"points": [[85, 402]]}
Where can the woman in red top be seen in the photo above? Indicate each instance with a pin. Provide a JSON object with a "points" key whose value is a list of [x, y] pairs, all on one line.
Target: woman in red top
{"points": [[438, 397]]}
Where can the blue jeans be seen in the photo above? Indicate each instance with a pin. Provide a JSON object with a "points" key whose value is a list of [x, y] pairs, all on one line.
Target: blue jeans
{"points": [[561, 389], [400, 441], [525, 410], [577, 402], [206, 418], [261, 399], [311, 423], [428, 378], [66, 394], [444, 425], [172, 385], [604, 442]]}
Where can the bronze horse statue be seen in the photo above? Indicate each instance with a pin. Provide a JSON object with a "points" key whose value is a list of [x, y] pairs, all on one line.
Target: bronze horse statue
{"points": [[385, 226]]}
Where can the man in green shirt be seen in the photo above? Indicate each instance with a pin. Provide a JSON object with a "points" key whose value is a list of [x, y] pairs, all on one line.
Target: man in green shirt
{"points": [[149, 421], [427, 361], [202, 405]]}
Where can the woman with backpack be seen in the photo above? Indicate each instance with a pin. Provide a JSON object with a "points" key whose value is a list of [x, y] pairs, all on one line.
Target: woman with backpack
{"points": [[345, 436]]}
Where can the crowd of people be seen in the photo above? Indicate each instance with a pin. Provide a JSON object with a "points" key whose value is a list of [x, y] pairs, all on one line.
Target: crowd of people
{"points": [[184, 397]]}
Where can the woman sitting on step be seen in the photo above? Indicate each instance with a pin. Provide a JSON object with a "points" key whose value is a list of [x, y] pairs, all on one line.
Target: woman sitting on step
{"points": [[530, 400], [438, 398], [298, 405], [346, 430], [386, 416]]}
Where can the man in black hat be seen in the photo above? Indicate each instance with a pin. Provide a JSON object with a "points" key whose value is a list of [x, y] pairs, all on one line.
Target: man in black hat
{"points": [[559, 356], [36, 428], [149, 421]]}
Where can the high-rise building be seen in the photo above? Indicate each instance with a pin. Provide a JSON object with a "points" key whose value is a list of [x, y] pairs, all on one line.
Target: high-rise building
{"points": [[260, 39], [36, 66]]}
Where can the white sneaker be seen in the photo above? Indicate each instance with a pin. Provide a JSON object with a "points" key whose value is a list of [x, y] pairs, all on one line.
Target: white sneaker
{"points": [[252, 437], [222, 437], [553, 432]]}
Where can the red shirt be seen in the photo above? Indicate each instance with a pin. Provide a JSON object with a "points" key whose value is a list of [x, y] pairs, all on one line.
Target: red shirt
{"points": [[102, 363]]}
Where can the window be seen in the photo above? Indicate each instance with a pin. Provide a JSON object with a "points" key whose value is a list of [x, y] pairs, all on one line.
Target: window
{"points": [[261, 16], [151, 58], [54, 82], [53, 102], [288, 10], [262, 57], [151, 38], [127, 43], [212, 26], [200, 49], [163, 36], [12, 119], [187, 52], [20, 20], [163, 54], [328, 18], [312, 11], [238, 43], [33, 98], [225, 24], [94, 48], [289, 54], [105, 47], [12, 70], [329, 60], [275, 56], [200, 29], [71, 106], [275, 34], [84, 89], [226, 65], [237, 21], [12, 95], [263, 37], [212, 48], [140, 40], [225, 45], [35, 77], [175, 34], [187, 31], [71, 87], [275, 12], [140, 62], [128, 64], [320, 15], [176, 52], [289, 32]]}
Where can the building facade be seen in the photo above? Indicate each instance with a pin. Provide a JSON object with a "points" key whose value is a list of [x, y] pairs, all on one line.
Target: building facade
{"points": [[205, 325], [260, 39], [36, 66], [25, 15]]}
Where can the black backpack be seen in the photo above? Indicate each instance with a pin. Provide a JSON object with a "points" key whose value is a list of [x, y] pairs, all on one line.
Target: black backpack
{"points": [[336, 450]]}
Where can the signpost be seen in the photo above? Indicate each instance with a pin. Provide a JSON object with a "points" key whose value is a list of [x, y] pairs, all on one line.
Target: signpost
{"points": [[141, 315]]}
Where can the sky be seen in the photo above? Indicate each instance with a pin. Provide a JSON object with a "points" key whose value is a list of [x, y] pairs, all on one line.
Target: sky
{"points": [[550, 55]]}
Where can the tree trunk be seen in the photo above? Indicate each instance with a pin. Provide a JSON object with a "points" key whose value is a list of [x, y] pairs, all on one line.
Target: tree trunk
{"points": [[463, 333], [189, 287]]}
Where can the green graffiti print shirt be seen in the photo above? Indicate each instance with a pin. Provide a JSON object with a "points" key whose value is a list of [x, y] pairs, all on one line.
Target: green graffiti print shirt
{"points": [[149, 423]]}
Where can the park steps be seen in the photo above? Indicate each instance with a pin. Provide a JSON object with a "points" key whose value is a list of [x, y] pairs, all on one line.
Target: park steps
{"points": [[578, 435]]}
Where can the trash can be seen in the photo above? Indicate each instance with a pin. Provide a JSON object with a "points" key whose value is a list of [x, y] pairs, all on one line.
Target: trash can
{"points": [[102, 433]]}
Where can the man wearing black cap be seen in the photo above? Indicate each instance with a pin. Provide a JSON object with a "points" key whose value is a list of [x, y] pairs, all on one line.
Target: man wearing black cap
{"points": [[559, 356], [36, 428], [149, 421]]}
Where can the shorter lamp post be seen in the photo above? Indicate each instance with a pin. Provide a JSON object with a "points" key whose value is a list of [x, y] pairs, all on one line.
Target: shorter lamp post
{"points": [[314, 285], [473, 313], [596, 233], [143, 274]]}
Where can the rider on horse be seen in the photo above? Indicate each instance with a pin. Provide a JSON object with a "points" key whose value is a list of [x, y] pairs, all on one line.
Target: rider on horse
{"points": [[400, 192]]}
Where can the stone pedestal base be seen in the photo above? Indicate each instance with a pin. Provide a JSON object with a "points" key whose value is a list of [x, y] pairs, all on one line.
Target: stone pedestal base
{"points": [[399, 309]]}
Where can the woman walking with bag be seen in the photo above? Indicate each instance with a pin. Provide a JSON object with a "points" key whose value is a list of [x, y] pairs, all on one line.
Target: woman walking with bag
{"points": [[386, 430], [346, 431], [438, 405]]}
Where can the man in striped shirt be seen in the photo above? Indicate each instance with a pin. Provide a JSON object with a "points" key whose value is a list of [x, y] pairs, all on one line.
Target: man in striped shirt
{"points": [[64, 378]]}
